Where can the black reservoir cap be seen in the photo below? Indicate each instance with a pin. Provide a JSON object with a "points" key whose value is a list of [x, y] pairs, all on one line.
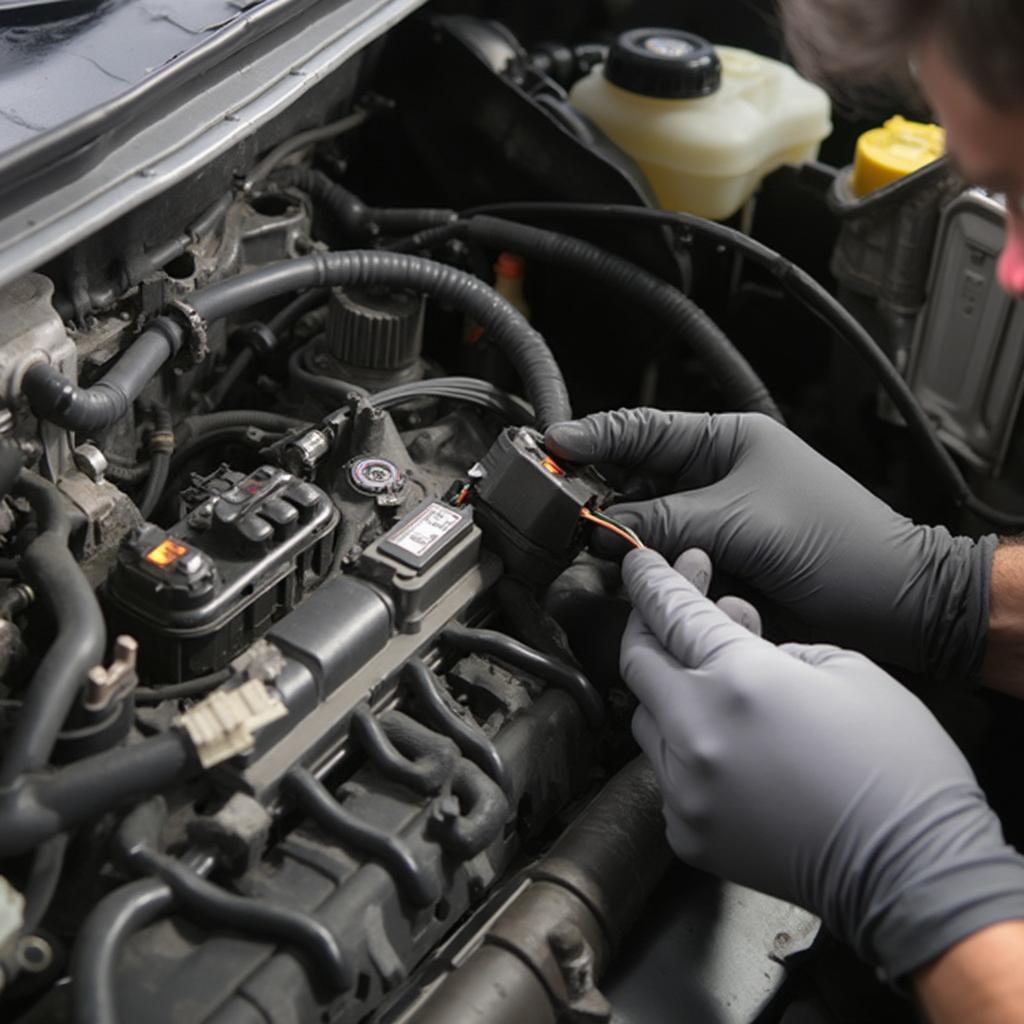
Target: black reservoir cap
{"points": [[664, 63]]}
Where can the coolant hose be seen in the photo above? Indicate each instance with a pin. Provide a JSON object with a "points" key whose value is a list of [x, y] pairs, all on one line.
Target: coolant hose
{"points": [[51, 570], [506, 327], [53, 397], [736, 378], [362, 221], [40, 805]]}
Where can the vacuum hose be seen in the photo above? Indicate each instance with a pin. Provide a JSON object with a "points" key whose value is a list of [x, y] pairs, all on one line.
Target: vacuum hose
{"points": [[55, 398]]}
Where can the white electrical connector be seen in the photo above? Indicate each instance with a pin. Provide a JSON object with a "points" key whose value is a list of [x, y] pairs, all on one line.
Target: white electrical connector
{"points": [[225, 723]]}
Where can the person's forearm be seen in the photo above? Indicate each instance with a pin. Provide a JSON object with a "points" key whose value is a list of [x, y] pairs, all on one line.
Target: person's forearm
{"points": [[978, 981], [1003, 667]]}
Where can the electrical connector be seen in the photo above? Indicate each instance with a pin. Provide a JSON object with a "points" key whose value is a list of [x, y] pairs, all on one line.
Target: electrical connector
{"points": [[226, 722], [530, 506]]}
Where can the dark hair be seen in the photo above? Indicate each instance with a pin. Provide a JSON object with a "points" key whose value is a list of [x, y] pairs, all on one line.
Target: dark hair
{"points": [[858, 46]]}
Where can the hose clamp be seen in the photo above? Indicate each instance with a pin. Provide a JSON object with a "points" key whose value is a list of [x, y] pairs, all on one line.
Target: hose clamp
{"points": [[196, 330]]}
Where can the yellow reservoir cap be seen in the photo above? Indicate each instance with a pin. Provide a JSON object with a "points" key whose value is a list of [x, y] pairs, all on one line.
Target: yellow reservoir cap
{"points": [[893, 151]]}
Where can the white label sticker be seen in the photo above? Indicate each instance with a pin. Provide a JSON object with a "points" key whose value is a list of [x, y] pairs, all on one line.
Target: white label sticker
{"points": [[430, 526]]}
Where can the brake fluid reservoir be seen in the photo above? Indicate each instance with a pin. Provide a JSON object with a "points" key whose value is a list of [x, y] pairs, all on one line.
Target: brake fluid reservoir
{"points": [[705, 123]]}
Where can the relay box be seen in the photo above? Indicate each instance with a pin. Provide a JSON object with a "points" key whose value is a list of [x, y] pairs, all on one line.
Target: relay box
{"points": [[197, 594]]}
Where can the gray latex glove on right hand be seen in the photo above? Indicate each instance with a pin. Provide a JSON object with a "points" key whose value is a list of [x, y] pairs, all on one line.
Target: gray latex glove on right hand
{"points": [[809, 774], [774, 513]]}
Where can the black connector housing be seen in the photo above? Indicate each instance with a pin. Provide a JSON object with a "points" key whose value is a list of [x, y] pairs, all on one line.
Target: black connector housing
{"points": [[529, 505], [251, 548]]}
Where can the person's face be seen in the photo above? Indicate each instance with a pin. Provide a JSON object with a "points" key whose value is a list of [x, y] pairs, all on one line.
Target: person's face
{"points": [[986, 144]]}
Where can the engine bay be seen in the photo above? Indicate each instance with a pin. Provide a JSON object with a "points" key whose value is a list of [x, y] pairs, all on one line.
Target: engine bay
{"points": [[310, 695]]}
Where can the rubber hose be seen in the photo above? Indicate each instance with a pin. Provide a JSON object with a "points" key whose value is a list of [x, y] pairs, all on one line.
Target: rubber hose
{"points": [[11, 463], [252, 437], [198, 687], [518, 655], [39, 806], [728, 367], [94, 958], [468, 736], [48, 566], [53, 397], [287, 317], [227, 380], [128, 474], [362, 221], [196, 426], [44, 876], [161, 446], [333, 389], [506, 327], [202, 900]]}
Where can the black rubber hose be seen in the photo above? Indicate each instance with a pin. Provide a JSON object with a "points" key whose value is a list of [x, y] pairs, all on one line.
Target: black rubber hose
{"points": [[483, 810], [201, 900], [39, 806], [363, 222], [252, 437], [161, 446], [48, 566], [424, 774], [197, 426], [227, 380], [44, 876], [815, 298], [506, 327], [100, 939], [11, 462], [53, 397], [198, 687], [118, 916], [469, 738], [331, 389], [727, 366], [129, 475], [416, 882], [518, 655], [286, 318]]}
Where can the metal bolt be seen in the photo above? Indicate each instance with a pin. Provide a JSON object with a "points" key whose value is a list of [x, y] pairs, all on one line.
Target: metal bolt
{"points": [[6, 421], [91, 461], [34, 954]]}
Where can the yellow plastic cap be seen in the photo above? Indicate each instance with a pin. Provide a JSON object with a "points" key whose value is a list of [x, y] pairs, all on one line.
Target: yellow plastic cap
{"points": [[893, 151]]}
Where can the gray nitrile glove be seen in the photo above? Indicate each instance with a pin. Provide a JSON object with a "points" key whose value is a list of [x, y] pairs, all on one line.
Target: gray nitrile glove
{"points": [[811, 775], [772, 512]]}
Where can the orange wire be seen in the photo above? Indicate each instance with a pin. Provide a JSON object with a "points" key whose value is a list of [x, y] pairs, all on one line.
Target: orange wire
{"points": [[617, 530]]}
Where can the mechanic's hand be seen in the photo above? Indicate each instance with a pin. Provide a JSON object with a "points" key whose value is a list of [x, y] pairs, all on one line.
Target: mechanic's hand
{"points": [[772, 512], [811, 775]]}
